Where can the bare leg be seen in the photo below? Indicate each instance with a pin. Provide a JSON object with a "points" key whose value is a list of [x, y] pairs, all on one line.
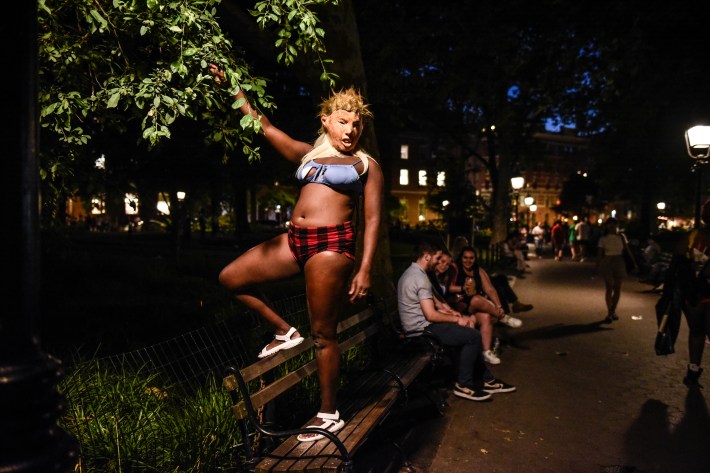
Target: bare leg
{"points": [[483, 320], [327, 277], [699, 328], [484, 310], [616, 294], [268, 261], [609, 299]]}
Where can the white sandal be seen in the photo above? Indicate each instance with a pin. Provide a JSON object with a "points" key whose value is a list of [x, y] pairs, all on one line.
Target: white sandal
{"points": [[331, 423], [287, 342]]}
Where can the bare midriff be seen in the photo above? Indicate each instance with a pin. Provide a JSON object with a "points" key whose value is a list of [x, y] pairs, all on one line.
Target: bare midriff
{"points": [[319, 206]]}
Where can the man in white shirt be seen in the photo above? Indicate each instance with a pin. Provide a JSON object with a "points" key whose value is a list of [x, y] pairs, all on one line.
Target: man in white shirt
{"points": [[584, 233]]}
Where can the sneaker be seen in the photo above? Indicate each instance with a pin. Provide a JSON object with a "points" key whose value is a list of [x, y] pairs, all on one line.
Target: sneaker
{"points": [[498, 386], [692, 378], [510, 321], [614, 317], [470, 393], [520, 307], [491, 357], [607, 320]]}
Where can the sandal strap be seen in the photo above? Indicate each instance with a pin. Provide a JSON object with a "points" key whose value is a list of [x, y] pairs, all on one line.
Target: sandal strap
{"points": [[329, 417], [286, 337]]}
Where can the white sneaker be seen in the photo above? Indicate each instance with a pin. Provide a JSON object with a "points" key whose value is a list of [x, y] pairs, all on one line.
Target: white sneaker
{"points": [[511, 321], [491, 357]]}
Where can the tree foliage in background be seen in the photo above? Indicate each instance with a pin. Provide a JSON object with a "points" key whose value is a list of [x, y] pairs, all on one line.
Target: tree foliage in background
{"points": [[138, 68], [478, 64], [626, 74]]}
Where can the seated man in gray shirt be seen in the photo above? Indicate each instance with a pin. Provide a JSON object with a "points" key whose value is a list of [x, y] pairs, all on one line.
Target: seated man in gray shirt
{"points": [[420, 310]]}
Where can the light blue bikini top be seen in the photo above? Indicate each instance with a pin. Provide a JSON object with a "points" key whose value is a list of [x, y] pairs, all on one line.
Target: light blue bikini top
{"points": [[341, 177]]}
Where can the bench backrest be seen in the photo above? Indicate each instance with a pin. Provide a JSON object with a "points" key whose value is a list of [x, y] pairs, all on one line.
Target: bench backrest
{"points": [[284, 383]]}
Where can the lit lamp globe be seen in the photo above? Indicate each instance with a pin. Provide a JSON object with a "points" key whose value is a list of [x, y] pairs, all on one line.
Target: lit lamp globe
{"points": [[533, 208], [517, 182], [529, 201], [697, 140], [661, 206]]}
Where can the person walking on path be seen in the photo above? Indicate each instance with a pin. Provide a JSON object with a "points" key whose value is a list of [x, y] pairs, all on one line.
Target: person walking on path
{"points": [[336, 175], [418, 312], [538, 233], [584, 232], [695, 248], [611, 266], [559, 239], [572, 240]]}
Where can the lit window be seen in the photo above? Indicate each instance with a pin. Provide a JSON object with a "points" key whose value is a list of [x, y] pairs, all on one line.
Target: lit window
{"points": [[441, 178], [130, 204], [422, 178], [163, 206], [98, 206], [404, 177], [404, 151]]}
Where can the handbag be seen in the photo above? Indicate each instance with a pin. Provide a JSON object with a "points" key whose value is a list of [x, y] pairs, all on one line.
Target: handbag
{"points": [[664, 342]]}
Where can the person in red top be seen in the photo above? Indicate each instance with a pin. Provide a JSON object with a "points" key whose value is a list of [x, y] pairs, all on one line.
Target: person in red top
{"points": [[559, 237]]}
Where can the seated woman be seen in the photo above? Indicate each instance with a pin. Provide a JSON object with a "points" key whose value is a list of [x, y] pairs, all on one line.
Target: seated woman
{"points": [[446, 273], [475, 294], [512, 256]]}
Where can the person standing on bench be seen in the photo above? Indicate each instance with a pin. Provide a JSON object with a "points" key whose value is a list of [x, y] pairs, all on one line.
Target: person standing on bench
{"points": [[420, 311], [336, 176]]}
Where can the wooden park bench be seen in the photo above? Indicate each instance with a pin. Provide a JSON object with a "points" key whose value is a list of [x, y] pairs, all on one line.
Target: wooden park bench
{"points": [[370, 396]]}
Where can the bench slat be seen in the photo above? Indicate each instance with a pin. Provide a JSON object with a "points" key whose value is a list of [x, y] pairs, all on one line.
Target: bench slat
{"points": [[286, 382], [260, 367], [369, 411]]}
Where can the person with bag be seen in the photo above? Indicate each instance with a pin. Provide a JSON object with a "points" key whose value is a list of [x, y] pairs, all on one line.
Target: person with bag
{"points": [[695, 247], [612, 266]]}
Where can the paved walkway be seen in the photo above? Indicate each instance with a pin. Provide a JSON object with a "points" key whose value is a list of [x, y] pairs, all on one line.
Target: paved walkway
{"points": [[591, 397]]}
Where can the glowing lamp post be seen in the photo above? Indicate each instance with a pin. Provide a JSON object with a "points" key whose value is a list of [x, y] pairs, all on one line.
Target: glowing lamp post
{"points": [[697, 140], [517, 183], [529, 202], [661, 206]]}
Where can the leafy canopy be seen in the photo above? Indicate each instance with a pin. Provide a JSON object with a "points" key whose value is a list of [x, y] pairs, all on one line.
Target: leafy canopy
{"points": [[144, 63]]}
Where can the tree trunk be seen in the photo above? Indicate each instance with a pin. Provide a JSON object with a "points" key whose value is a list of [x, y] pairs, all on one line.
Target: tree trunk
{"points": [[343, 46]]}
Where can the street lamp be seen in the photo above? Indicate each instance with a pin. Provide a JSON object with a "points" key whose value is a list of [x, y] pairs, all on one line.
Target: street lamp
{"points": [[517, 183], [661, 206], [529, 200], [697, 140]]}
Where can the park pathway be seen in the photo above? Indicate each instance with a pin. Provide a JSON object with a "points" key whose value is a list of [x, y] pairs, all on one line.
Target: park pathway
{"points": [[591, 397]]}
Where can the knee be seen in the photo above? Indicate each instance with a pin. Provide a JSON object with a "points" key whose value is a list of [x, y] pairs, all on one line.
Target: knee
{"points": [[223, 278], [228, 280], [323, 339]]}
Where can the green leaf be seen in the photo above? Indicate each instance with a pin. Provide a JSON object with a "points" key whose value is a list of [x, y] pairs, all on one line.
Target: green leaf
{"points": [[113, 100]]}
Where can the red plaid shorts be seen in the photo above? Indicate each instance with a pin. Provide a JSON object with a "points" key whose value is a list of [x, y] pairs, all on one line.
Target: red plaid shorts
{"points": [[305, 242]]}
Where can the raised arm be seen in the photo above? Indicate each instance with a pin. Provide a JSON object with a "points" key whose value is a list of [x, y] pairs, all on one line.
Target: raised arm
{"points": [[292, 150]]}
